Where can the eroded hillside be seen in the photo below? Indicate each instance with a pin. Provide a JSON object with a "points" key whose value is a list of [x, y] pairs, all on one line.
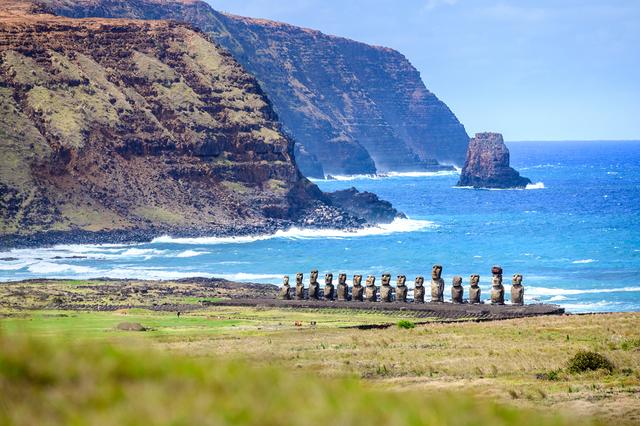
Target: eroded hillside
{"points": [[352, 108], [112, 125]]}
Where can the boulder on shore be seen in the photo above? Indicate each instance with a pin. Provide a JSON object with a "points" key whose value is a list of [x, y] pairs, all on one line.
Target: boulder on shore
{"points": [[487, 164]]}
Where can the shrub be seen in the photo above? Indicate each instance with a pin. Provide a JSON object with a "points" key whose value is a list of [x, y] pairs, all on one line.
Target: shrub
{"points": [[406, 324], [553, 375], [588, 361]]}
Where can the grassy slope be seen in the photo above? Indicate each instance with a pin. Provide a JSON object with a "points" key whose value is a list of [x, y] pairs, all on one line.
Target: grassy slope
{"points": [[497, 360], [45, 382]]}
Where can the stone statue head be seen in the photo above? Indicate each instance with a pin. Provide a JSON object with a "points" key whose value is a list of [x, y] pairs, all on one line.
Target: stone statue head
{"points": [[357, 280], [496, 270], [371, 280], [342, 279], [401, 280], [419, 281], [436, 272], [496, 281], [328, 279], [285, 281], [314, 275], [474, 280], [299, 277], [386, 279], [457, 281], [517, 279]]}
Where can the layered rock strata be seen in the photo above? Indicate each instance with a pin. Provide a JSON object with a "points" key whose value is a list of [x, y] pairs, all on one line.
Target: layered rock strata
{"points": [[352, 108]]}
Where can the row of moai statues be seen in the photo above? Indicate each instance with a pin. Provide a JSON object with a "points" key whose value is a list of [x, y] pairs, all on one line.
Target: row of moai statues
{"points": [[369, 292]]}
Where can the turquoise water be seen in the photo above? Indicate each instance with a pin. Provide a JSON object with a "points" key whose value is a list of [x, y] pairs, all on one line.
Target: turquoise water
{"points": [[575, 235]]}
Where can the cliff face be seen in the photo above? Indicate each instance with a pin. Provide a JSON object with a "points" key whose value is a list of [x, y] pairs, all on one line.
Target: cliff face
{"points": [[111, 125], [487, 164], [352, 107]]}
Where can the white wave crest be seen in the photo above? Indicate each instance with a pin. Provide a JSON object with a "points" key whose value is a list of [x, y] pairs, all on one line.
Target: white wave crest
{"points": [[56, 268], [397, 226], [383, 175], [557, 298], [190, 253], [583, 261], [423, 174], [537, 185], [546, 291]]}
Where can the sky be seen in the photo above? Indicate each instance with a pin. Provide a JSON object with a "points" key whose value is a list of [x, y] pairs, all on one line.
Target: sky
{"points": [[532, 70]]}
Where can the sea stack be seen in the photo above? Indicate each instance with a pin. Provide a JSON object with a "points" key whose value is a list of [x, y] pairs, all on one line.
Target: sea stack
{"points": [[487, 164]]}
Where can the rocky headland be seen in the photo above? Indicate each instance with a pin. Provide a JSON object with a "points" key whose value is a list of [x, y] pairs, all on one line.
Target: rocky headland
{"points": [[119, 130], [487, 164], [351, 108]]}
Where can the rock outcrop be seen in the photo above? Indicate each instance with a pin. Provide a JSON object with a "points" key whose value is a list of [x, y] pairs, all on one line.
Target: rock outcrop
{"points": [[365, 205], [135, 128], [351, 108], [487, 164]]}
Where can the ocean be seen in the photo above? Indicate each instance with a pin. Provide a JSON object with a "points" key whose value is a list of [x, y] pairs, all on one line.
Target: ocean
{"points": [[574, 235]]}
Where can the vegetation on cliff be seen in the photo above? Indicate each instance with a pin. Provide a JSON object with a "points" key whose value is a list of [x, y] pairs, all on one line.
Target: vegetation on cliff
{"points": [[351, 108], [114, 125]]}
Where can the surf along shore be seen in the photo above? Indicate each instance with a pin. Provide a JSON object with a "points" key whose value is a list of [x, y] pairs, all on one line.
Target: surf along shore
{"points": [[521, 362]]}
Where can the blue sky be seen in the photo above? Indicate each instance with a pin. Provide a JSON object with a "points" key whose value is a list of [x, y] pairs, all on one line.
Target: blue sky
{"points": [[533, 70]]}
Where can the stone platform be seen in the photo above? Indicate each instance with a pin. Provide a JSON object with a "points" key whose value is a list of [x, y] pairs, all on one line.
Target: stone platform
{"points": [[444, 311]]}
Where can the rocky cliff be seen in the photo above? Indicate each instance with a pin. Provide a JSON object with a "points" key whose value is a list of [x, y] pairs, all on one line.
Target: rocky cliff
{"points": [[113, 126], [352, 108], [487, 164]]}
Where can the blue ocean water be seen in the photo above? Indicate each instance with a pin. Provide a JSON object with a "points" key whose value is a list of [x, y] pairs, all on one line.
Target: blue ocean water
{"points": [[574, 235]]}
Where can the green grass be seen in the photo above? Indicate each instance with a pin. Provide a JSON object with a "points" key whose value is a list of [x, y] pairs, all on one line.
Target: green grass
{"points": [[49, 381]]}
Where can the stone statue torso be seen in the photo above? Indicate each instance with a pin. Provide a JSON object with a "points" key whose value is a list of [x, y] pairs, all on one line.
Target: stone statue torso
{"points": [[474, 289], [343, 289], [401, 289], [299, 286], [314, 286], [329, 290], [386, 290], [418, 290], [437, 284], [371, 290], [357, 292]]}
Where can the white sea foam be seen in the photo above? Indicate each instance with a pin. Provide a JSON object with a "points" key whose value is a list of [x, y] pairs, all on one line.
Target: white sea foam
{"points": [[56, 268], [557, 298], [547, 291], [397, 226], [537, 185], [423, 174], [602, 305], [345, 178], [190, 253], [583, 261]]}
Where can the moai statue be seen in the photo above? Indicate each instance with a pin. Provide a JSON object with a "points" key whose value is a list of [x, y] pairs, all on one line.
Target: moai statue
{"points": [[437, 284], [329, 289], [401, 289], [314, 285], [457, 291], [386, 291], [497, 289], [299, 286], [517, 290], [474, 289], [343, 288], [418, 290], [357, 291], [371, 291], [285, 291]]}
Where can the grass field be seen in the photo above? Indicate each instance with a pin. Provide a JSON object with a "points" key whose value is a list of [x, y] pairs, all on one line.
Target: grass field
{"points": [[275, 366]]}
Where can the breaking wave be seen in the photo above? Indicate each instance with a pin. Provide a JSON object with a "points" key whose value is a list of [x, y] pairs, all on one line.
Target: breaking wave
{"points": [[343, 178], [546, 291], [538, 185], [584, 261], [397, 226]]}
